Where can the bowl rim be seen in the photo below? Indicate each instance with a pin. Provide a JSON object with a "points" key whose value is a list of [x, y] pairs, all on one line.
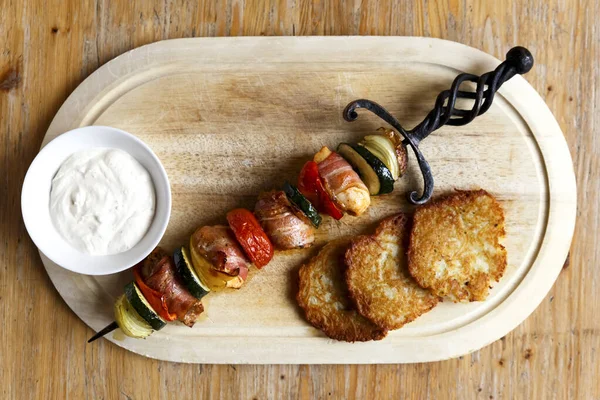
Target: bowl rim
{"points": [[162, 219]]}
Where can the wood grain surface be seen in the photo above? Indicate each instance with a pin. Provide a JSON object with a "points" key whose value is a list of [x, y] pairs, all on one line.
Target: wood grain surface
{"points": [[47, 48]]}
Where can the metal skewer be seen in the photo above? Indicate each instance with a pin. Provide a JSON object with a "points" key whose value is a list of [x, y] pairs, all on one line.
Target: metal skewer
{"points": [[109, 328], [518, 61]]}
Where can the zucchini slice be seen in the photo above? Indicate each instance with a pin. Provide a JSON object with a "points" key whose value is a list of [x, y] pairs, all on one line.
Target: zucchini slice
{"points": [[366, 172], [386, 180], [298, 199], [187, 274], [130, 322], [383, 148], [139, 303]]}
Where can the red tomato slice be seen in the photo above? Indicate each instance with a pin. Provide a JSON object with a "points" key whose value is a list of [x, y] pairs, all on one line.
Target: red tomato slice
{"points": [[251, 236], [155, 298], [311, 186]]}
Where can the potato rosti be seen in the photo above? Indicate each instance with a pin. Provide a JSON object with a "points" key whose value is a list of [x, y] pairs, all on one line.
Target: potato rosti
{"points": [[378, 279], [324, 297], [454, 245]]}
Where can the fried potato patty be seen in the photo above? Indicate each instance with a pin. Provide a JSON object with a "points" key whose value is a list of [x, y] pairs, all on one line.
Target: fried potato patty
{"points": [[454, 245], [378, 279], [323, 296]]}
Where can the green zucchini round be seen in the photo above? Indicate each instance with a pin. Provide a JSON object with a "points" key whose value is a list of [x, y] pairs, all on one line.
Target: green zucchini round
{"points": [[144, 309], [188, 275], [386, 180], [298, 199]]}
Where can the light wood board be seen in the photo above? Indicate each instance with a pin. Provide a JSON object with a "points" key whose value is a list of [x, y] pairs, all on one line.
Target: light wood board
{"points": [[231, 117]]}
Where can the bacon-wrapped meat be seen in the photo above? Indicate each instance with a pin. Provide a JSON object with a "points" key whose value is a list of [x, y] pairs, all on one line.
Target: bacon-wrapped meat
{"points": [[218, 245], [342, 183], [287, 227], [158, 272]]}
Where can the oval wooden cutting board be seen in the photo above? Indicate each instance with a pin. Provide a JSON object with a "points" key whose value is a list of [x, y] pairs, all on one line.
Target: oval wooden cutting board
{"points": [[229, 117]]}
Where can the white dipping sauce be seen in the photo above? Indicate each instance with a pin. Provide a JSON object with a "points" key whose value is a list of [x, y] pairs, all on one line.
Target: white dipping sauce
{"points": [[102, 201]]}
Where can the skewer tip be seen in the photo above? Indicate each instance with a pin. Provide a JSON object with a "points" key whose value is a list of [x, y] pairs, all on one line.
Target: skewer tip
{"points": [[109, 328]]}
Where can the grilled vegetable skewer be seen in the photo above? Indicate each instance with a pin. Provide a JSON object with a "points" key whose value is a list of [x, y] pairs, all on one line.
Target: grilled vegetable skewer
{"points": [[329, 182], [168, 288]]}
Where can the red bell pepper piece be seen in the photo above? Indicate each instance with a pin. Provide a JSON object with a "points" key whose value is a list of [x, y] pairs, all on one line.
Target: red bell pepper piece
{"points": [[251, 236], [155, 298], [311, 186]]}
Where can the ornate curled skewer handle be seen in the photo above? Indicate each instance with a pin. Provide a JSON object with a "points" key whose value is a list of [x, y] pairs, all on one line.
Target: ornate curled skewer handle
{"points": [[518, 61]]}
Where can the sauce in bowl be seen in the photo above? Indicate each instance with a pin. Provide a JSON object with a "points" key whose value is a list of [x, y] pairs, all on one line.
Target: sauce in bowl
{"points": [[102, 201]]}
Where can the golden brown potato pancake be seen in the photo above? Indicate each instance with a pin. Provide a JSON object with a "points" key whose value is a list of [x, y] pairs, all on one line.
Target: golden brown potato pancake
{"points": [[454, 245], [378, 279], [323, 296]]}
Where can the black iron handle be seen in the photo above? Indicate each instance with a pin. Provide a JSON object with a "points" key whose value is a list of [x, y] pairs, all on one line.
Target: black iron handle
{"points": [[518, 61]]}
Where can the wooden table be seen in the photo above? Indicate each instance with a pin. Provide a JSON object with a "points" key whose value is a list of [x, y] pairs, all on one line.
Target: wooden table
{"points": [[47, 49]]}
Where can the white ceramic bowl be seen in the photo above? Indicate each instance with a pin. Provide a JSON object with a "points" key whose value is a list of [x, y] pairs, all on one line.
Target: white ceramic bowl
{"points": [[35, 199]]}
